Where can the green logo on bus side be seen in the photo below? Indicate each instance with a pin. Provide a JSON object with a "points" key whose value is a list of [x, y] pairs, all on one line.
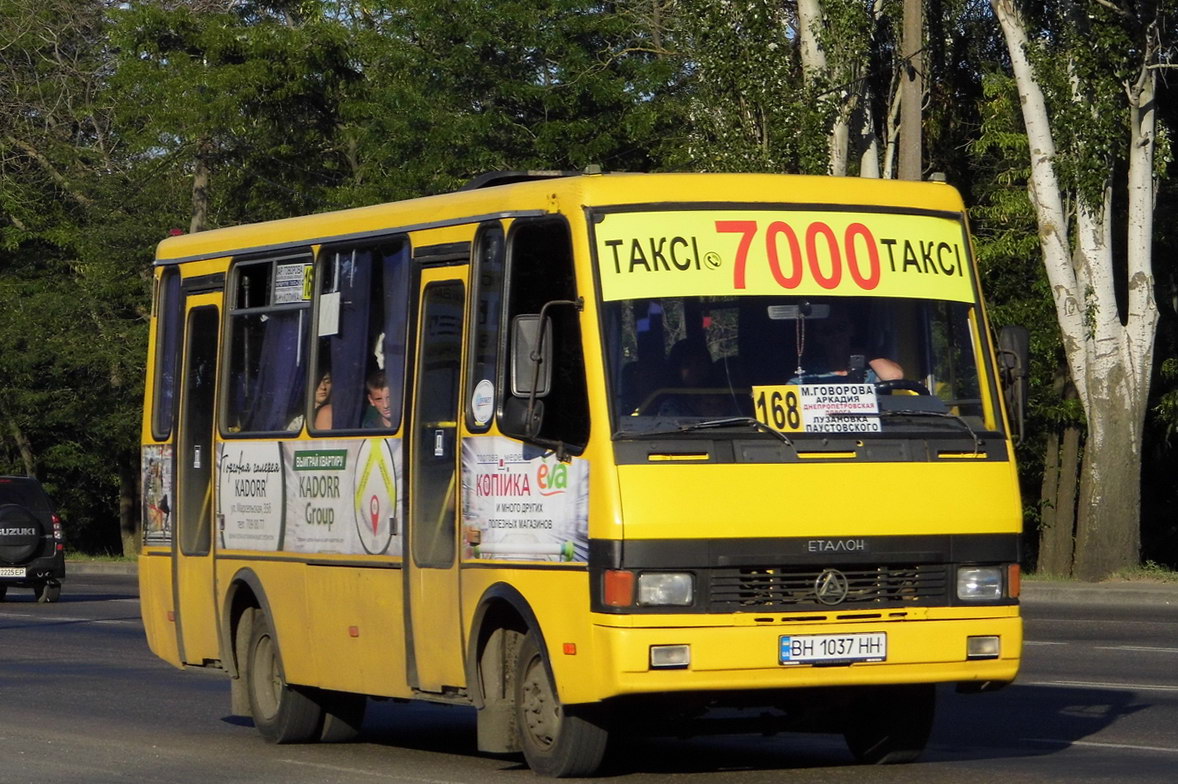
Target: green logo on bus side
{"points": [[321, 460]]}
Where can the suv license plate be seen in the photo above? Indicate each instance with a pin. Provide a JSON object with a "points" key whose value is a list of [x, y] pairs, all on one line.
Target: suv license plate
{"points": [[833, 648], [13, 571]]}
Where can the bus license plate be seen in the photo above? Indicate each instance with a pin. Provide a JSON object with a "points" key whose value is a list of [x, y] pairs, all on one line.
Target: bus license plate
{"points": [[12, 571], [831, 648]]}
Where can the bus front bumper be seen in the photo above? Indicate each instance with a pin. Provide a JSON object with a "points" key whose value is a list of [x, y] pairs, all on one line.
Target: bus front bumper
{"points": [[635, 656]]}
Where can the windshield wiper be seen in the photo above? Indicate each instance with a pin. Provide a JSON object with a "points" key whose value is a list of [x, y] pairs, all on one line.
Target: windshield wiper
{"points": [[738, 421], [913, 412], [755, 424]]}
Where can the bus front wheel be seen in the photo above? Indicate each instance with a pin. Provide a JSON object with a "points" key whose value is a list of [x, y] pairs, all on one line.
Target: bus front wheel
{"points": [[890, 724], [282, 713], [557, 741]]}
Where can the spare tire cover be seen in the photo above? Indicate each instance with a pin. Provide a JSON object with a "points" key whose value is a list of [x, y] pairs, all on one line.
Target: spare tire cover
{"points": [[20, 534]]}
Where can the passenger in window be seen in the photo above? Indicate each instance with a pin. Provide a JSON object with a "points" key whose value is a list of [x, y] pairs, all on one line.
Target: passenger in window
{"points": [[321, 417], [379, 414], [838, 360], [321, 414]]}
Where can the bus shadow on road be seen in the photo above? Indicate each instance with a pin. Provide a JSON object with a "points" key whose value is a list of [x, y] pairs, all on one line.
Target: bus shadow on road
{"points": [[1021, 720], [451, 730], [1026, 719]]}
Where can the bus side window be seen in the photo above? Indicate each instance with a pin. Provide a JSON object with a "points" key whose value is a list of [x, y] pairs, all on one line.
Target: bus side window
{"points": [[363, 318], [168, 310], [268, 326], [482, 375], [540, 270]]}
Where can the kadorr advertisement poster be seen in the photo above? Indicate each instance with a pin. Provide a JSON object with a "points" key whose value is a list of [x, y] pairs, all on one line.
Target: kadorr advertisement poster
{"points": [[521, 503], [310, 497]]}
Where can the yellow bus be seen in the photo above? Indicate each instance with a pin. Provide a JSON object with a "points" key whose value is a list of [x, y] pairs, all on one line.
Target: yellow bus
{"points": [[593, 454]]}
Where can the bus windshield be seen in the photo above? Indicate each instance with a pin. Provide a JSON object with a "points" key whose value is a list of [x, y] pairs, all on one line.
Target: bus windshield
{"points": [[799, 319], [853, 364]]}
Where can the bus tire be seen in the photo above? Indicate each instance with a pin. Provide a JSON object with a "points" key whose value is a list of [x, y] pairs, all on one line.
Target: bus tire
{"points": [[557, 741], [282, 713], [343, 715], [890, 725]]}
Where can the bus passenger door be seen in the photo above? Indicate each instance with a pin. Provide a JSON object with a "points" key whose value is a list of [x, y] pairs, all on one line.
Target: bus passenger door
{"points": [[436, 649], [196, 615]]}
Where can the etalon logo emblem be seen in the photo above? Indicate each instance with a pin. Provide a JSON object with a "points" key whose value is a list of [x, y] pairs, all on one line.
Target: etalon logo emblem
{"points": [[831, 587]]}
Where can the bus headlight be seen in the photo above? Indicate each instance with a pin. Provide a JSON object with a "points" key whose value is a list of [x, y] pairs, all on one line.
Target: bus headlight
{"points": [[673, 589], [979, 583]]}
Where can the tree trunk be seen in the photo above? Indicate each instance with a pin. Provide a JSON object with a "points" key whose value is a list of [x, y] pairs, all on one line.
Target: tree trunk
{"points": [[22, 446], [200, 189], [128, 506], [1048, 558], [1110, 353], [1108, 536], [1060, 476], [912, 89], [1065, 499]]}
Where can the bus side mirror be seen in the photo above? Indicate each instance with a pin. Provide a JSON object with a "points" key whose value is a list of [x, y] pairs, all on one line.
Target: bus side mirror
{"points": [[1013, 363], [531, 356]]}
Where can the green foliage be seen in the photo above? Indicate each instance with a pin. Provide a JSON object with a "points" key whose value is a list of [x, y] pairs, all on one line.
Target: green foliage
{"points": [[1083, 57], [71, 295], [455, 89], [256, 97], [295, 106], [744, 108]]}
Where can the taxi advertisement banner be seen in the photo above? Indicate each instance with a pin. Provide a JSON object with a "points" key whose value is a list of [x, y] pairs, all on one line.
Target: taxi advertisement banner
{"points": [[804, 252]]}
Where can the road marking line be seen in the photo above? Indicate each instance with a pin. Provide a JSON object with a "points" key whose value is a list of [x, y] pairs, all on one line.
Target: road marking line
{"points": [[1145, 648], [374, 773], [52, 619], [1043, 642], [1101, 685], [1094, 744]]}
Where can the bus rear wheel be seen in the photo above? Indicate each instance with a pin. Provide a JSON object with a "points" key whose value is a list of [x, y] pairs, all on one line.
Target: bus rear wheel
{"points": [[557, 741], [891, 724], [281, 712]]}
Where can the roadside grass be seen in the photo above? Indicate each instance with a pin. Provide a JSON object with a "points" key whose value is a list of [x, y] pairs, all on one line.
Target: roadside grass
{"points": [[100, 558], [1148, 572]]}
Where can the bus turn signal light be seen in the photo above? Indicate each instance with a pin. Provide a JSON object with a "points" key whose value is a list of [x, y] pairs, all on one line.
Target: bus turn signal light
{"points": [[619, 588]]}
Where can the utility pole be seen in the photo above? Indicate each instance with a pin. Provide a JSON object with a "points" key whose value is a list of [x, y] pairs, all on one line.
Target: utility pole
{"points": [[912, 92]]}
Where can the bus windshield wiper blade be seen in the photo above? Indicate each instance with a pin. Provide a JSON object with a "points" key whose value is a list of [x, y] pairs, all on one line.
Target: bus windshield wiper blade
{"points": [[738, 421], [977, 441]]}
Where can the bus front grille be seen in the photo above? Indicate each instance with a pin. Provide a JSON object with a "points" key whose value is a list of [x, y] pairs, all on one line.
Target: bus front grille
{"points": [[786, 588]]}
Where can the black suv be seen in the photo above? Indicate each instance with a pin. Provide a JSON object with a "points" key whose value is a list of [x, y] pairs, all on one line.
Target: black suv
{"points": [[32, 546]]}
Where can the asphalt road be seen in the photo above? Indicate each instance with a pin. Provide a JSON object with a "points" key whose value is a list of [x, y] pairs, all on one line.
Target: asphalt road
{"points": [[82, 700]]}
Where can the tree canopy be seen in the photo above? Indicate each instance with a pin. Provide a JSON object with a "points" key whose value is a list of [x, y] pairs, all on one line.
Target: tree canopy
{"points": [[123, 121]]}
